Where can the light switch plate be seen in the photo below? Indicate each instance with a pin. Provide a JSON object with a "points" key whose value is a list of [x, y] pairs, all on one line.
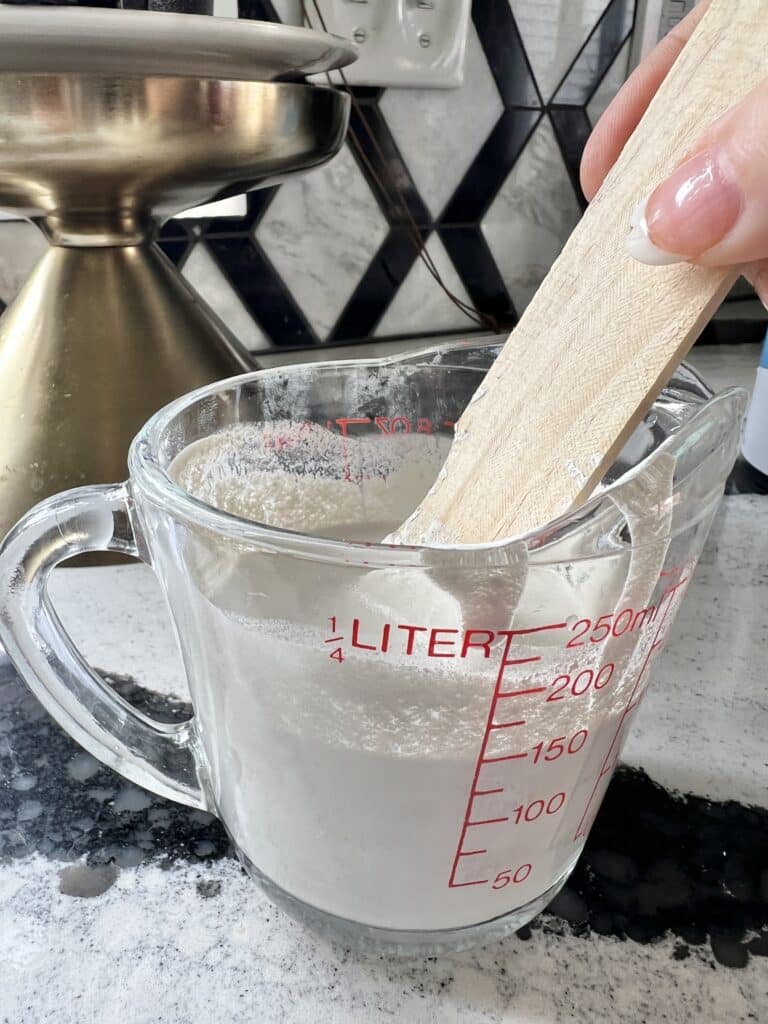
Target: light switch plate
{"points": [[417, 43]]}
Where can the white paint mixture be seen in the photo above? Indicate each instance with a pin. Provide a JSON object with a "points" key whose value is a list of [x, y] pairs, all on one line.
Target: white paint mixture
{"points": [[343, 708], [298, 476]]}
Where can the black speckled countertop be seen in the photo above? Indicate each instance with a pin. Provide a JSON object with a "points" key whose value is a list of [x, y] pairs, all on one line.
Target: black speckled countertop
{"points": [[116, 905]]}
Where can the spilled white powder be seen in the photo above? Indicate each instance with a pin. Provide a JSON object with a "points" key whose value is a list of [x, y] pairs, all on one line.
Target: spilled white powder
{"points": [[153, 950]]}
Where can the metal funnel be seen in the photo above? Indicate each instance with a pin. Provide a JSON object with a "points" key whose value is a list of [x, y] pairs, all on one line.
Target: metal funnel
{"points": [[105, 331]]}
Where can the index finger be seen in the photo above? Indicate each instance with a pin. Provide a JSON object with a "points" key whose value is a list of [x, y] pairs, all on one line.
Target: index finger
{"points": [[622, 116]]}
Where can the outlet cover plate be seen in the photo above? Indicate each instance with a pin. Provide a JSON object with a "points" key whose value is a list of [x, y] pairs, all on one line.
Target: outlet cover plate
{"points": [[414, 43]]}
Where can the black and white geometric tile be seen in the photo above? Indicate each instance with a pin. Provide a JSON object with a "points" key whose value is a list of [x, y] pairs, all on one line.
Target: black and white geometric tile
{"points": [[489, 173]]}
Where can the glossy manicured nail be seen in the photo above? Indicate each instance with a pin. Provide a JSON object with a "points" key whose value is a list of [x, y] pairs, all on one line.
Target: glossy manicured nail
{"points": [[689, 213]]}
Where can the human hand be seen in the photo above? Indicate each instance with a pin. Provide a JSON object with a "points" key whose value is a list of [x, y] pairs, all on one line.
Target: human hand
{"points": [[713, 209]]}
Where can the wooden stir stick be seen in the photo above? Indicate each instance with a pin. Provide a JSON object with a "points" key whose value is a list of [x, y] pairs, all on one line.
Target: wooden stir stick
{"points": [[603, 333]]}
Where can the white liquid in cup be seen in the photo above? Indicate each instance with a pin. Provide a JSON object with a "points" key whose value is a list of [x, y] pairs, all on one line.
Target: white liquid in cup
{"points": [[347, 780]]}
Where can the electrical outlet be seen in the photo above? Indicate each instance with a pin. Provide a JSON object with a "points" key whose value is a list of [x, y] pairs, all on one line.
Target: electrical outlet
{"points": [[419, 43]]}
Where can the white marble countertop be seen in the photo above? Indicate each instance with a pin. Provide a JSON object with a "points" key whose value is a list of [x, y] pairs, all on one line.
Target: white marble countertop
{"points": [[196, 941]]}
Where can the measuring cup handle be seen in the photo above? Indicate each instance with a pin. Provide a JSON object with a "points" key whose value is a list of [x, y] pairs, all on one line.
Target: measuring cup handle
{"points": [[161, 757]]}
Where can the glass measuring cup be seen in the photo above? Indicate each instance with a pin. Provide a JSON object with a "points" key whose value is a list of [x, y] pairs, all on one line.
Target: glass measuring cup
{"points": [[407, 746]]}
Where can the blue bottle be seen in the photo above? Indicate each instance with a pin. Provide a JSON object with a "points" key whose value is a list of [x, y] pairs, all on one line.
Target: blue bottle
{"points": [[754, 444]]}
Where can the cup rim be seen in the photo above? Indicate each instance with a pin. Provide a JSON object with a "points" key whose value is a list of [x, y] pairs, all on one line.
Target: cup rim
{"points": [[150, 478]]}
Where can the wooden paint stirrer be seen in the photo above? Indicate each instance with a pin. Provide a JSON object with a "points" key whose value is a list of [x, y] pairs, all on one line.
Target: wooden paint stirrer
{"points": [[603, 333]]}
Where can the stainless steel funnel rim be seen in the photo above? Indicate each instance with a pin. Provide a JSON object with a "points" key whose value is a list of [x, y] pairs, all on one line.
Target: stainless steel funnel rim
{"points": [[145, 43], [115, 77], [198, 140]]}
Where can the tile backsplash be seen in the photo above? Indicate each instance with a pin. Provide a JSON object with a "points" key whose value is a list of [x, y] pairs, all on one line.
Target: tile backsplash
{"points": [[489, 173]]}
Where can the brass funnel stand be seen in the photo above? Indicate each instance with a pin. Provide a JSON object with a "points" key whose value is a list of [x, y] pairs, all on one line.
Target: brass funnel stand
{"points": [[106, 331]]}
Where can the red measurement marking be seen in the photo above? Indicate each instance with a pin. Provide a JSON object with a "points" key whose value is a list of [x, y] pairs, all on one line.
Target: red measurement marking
{"points": [[472, 853], [345, 422], [506, 757], [400, 421], [384, 424], [433, 641], [393, 425], [487, 821], [537, 629], [338, 654], [507, 725], [474, 792], [522, 693], [631, 704]]}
